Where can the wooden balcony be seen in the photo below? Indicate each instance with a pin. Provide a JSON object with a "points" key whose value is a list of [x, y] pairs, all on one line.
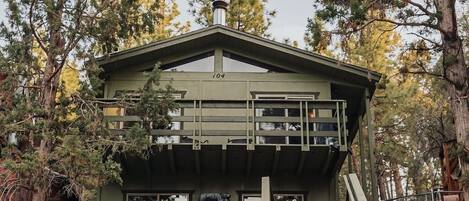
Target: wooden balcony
{"points": [[297, 137], [302, 123]]}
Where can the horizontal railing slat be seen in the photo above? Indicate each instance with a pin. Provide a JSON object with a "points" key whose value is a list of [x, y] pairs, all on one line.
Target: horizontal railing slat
{"points": [[286, 104], [263, 133], [227, 119]]}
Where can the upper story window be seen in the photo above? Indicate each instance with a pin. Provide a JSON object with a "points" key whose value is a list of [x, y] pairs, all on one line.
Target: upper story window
{"points": [[200, 63], [240, 64]]}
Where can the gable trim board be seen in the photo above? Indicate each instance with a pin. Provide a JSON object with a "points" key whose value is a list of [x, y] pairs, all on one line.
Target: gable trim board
{"points": [[299, 61]]}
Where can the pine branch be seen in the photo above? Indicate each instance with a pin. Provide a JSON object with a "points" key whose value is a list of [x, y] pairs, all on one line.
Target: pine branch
{"points": [[421, 7], [33, 28], [410, 24], [436, 44]]}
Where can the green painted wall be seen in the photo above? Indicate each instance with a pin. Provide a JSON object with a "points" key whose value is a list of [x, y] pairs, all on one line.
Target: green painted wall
{"points": [[234, 86]]}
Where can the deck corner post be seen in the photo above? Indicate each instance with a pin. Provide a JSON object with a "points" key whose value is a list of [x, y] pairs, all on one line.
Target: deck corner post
{"points": [[362, 154], [371, 141]]}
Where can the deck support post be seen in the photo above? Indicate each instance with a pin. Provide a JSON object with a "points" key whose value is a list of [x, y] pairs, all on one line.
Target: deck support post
{"points": [[223, 159], [249, 162], [276, 159], [172, 162], [326, 165], [349, 162], [265, 189], [301, 163], [371, 141], [362, 155], [197, 161]]}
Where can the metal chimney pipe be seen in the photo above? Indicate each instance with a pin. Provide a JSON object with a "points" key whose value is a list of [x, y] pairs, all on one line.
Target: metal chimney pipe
{"points": [[219, 11]]}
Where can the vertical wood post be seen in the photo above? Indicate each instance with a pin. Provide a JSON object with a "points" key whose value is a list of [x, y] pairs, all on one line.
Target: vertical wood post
{"points": [[349, 162], [265, 189], [362, 155], [371, 140], [218, 61]]}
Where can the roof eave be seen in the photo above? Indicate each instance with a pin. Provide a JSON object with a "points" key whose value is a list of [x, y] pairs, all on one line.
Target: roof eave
{"points": [[124, 54]]}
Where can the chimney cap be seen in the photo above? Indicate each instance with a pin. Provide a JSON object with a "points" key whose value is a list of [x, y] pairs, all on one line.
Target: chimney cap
{"points": [[220, 4]]}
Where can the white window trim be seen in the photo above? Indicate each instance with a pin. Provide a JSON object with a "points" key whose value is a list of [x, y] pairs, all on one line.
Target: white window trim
{"points": [[140, 194], [244, 195], [291, 194]]}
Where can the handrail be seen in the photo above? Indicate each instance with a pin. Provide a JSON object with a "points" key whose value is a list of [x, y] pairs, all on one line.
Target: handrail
{"points": [[318, 120], [435, 195]]}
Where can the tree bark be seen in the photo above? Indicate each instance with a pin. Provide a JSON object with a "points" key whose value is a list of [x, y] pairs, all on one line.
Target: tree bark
{"points": [[447, 166], [457, 74], [397, 179], [355, 163], [381, 184], [50, 83]]}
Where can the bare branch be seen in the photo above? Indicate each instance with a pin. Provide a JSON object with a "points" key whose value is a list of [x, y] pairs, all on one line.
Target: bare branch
{"points": [[33, 28], [425, 72], [411, 24], [426, 39], [420, 7], [354, 30]]}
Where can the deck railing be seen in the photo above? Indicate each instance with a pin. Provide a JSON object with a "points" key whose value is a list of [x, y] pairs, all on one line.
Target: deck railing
{"points": [[297, 122], [435, 195]]}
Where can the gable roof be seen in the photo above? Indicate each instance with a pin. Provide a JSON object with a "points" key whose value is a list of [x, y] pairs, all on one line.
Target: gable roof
{"points": [[295, 59]]}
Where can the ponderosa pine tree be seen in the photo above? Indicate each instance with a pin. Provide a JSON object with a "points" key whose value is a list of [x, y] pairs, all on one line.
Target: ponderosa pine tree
{"points": [[250, 16], [424, 20], [166, 27], [405, 107], [54, 140]]}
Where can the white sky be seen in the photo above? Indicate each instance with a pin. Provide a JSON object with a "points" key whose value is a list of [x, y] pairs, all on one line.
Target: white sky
{"points": [[290, 21]]}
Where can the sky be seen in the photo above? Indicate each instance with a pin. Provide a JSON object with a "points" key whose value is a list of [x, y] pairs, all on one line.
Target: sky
{"points": [[290, 21]]}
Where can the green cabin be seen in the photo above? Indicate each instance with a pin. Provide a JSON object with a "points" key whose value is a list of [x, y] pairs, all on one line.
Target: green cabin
{"points": [[249, 108]]}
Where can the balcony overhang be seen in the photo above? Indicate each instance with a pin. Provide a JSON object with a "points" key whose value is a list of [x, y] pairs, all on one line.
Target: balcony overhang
{"points": [[233, 160]]}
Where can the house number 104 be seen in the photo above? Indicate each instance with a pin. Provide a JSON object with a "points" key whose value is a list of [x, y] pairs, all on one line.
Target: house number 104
{"points": [[219, 75]]}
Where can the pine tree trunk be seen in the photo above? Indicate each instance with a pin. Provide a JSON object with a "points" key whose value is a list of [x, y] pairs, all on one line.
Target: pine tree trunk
{"points": [[50, 83], [397, 180], [457, 73], [382, 185], [355, 163]]}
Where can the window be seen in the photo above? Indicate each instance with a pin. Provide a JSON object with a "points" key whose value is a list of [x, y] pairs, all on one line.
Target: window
{"points": [[131, 112], [142, 197], [200, 63], [236, 63], [275, 197], [215, 197], [288, 197], [157, 197], [250, 197], [293, 126], [280, 113]]}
